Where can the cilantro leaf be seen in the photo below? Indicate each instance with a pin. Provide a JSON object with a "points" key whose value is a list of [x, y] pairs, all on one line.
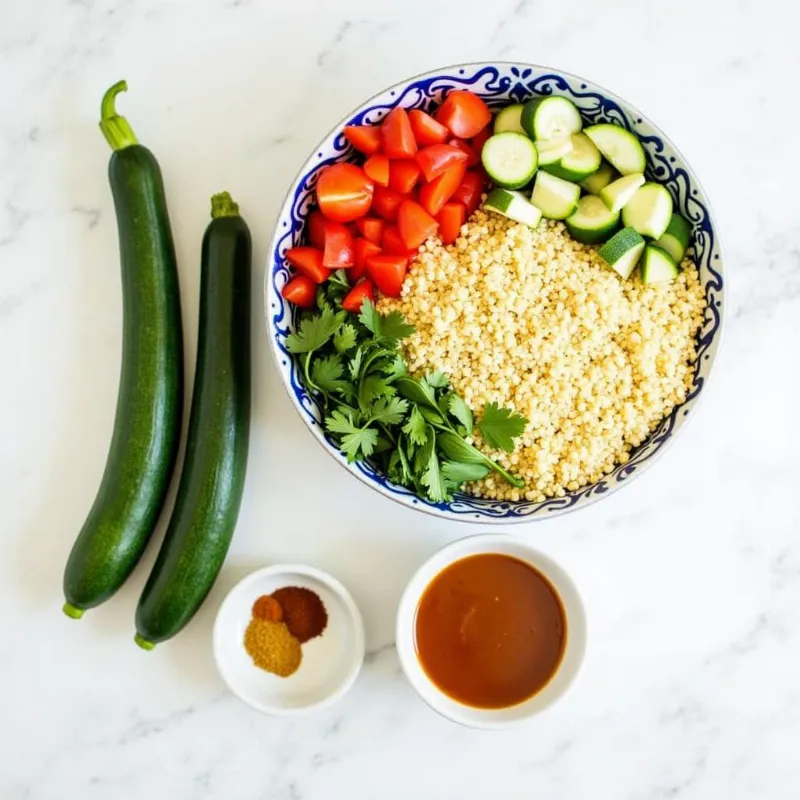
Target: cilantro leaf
{"points": [[370, 318], [396, 368], [389, 410], [459, 472], [500, 426], [416, 428], [371, 388], [461, 411], [416, 391], [437, 380], [433, 479], [456, 449], [355, 441], [385, 328], [425, 451], [327, 373], [355, 363], [314, 332], [345, 338]]}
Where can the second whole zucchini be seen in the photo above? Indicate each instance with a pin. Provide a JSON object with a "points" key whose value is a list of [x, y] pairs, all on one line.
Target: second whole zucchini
{"points": [[212, 481]]}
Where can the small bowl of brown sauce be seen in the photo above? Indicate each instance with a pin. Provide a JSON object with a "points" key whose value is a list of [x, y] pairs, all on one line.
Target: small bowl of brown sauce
{"points": [[490, 631]]}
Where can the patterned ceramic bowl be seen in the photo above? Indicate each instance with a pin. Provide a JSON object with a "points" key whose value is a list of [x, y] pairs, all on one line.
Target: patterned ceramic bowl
{"points": [[500, 84]]}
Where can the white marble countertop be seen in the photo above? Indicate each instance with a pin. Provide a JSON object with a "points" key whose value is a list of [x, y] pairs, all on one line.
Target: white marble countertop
{"points": [[691, 575]]}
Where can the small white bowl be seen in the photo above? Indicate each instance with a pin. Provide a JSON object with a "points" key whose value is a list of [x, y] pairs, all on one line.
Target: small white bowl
{"points": [[575, 625], [330, 663]]}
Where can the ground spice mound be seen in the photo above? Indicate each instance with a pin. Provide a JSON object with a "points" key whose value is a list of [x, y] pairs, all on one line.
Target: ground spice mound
{"points": [[272, 647], [267, 607], [303, 612], [535, 321]]}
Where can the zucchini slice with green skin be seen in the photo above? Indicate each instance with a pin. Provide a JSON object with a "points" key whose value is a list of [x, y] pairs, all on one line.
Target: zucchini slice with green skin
{"points": [[619, 193], [508, 119], [551, 151], [582, 160], [555, 197], [675, 239], [649, 210], [513, 205], [658, 266], [622, 251], [212, 480], [599, 180], [147, 425], [619, 146], [592, 222], [550, 117], [510, 159]]}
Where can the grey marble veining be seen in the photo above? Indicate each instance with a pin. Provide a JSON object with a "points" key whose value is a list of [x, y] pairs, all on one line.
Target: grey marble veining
{"points": [[691, 575]]}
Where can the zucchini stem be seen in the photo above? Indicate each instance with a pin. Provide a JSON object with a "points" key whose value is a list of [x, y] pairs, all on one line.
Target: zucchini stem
{"points": [[116, 129], [223, 205], [73, 611], [143, 643]]}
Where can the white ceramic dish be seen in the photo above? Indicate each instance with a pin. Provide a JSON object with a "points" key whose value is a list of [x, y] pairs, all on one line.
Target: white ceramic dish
{"points": [[575, 623], [331, 662]]}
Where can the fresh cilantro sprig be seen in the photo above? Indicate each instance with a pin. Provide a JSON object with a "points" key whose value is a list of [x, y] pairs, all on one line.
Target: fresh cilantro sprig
{"points": [[412, 429]]}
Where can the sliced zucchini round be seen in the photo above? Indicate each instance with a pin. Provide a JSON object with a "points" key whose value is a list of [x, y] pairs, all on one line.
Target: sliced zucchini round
{"points": [[507, 119], [675, 239], [510, 159], [552, 151], [600, 179], [658, 266], [513, 205], [619, 146], [555, 197], [621, 252], [617, 194], [583, 160], [550, 118], [649, 210], [592, 222]]}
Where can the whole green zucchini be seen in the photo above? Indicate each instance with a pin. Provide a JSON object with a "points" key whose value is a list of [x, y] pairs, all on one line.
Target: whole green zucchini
{"points": [[211, 485], [148, 418]]}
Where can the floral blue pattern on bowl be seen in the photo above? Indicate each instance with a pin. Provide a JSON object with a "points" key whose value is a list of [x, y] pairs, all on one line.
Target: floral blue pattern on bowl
{"points": [[500, 84]]}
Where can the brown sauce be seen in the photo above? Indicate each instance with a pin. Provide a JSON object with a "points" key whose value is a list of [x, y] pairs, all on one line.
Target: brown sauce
{"points": [[490, 631]]}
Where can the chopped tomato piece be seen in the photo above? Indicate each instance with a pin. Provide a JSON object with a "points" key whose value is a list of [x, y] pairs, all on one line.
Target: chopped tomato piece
{"points": [[338, 250], [464, 113], [469, 191], [397, 136], [315, 225], [363, 250], [308, 261], [377, 168], [388, 273], [386, 202], [403, 175], [450, 220], [415, 224], [479, 140], [371, 228], [365, 138], [466, 148], [434, 160], [344, 192], [433, 195], [357, 295], [301, 291], [392, 243], [426, 129]]}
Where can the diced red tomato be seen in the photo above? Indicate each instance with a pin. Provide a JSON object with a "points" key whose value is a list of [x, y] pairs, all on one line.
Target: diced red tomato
{"points": [[397, 136], [464, 113], [365, 138], [450, 220], [433, 195], [363, 250], [377, 168], [355, 298], [466, 148], [338, 250], [301, 291], [469, 191], [388, 273], [308, 261], [403, 175], [415, 224], [393, 244], [371, 228], [344, 192], [434, 160], [426, 129], [479, 139], [315, 225], [386, 202]]}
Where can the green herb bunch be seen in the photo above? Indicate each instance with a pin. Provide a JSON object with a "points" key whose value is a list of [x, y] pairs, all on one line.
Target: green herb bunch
{"points": [[414, 430]]}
